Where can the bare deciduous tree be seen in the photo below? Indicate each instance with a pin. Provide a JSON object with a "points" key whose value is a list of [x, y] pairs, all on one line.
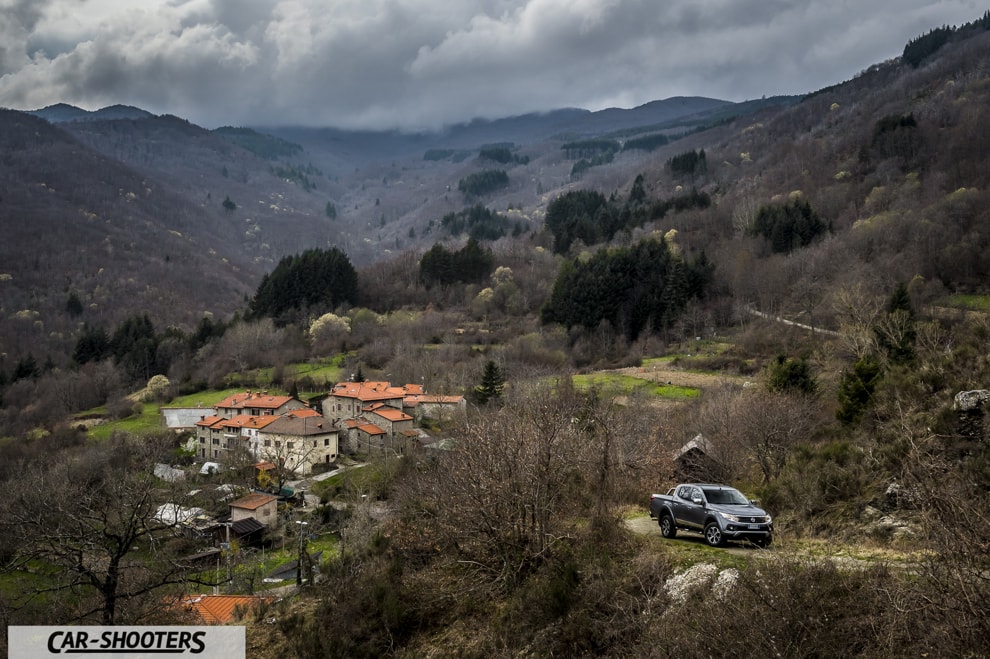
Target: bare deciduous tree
{"points": [[87, 525], [857, 311], [769, 425], [499, 496]]}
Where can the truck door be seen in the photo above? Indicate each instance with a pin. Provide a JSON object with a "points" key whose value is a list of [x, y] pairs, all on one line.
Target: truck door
{"points": [[694, 514], [683, 506]]}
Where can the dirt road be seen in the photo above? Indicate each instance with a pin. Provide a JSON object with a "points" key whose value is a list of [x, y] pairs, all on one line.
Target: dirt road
{"points": [[646, 525]]}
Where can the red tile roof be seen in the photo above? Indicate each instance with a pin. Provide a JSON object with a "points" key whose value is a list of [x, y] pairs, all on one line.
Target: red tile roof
{"points": [[392, 414], [219, 609], [233, 400], [248, 421], [256, 399], [208, 421], [253, 501], [366, 391]]}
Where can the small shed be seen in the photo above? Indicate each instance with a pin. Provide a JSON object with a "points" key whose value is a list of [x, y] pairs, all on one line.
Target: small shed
{"points": [[694, 462]]}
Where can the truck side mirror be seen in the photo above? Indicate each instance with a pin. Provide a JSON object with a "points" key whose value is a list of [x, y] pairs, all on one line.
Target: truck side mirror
{"points": [[697, 501]]}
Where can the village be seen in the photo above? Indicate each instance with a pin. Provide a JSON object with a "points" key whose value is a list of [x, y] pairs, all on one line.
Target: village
{"points": [[286, 444]]}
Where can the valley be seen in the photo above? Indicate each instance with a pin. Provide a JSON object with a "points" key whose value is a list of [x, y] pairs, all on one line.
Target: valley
{"points": [[786, 295]]}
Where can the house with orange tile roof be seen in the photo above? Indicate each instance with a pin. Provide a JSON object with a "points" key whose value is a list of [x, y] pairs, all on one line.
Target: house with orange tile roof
{"points": [[368, 438], [262, 506], [372, 414], [218, 436], [347, 400], [257, 403], [235, 431], [389, 419], [298, 441]]}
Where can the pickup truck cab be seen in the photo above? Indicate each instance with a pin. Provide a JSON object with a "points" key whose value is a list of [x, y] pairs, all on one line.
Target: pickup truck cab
{"points": [[719, 512]]}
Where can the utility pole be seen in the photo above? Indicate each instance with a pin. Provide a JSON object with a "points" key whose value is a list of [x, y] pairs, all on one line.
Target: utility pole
{"points": [[226, 549], [302, 553]]}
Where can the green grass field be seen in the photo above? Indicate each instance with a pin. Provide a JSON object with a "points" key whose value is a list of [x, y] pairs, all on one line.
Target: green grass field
{"points": [[627, 384], [970, 302], [149, 419]]}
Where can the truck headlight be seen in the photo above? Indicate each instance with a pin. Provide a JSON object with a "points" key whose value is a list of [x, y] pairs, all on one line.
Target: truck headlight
{"points": [[731, 518]]}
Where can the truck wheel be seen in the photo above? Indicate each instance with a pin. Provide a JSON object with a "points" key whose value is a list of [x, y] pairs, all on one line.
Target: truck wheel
{"points": [[713, 535], [667, 528]]}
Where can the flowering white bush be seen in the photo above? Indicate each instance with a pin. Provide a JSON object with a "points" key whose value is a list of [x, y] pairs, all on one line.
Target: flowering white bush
{"points": [[702, 575]]}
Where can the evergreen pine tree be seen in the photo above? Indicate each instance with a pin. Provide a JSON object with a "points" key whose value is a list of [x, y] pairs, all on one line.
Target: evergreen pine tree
{"points": [[899, 345], [856, 389], [790, 375], [492, 384]]}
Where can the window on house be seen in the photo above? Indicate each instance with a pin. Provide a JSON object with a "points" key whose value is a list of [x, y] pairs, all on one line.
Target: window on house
{"points": [[326, 442], [268, 443], [288, 445], [278, 443]]}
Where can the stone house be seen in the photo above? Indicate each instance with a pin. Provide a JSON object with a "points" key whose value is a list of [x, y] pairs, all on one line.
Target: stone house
{"points": [[389, 419], [257, 403], [365, 438], [258, 505], [373, 416], [299, 441], [218, 437], [348, 400]]}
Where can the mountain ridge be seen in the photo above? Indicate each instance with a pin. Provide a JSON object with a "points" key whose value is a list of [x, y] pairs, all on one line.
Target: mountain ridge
{"points": [[376, 195]]}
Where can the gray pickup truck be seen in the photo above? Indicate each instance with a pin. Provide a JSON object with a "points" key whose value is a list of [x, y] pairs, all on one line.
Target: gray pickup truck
{"points": [[719, 512]]}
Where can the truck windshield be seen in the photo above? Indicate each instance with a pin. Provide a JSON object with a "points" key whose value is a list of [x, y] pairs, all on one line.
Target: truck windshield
{"points": [[725, 495]]}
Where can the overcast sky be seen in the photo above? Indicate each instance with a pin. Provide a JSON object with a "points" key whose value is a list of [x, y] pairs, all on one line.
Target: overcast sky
{"points": [[417, 64]]}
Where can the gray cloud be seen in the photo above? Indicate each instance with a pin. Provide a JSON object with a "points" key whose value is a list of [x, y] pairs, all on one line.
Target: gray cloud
{"points": [[424, 63]]}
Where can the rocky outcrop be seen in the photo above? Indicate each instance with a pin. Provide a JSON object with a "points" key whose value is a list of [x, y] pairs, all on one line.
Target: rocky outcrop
{"points": [[969, 401], [970, 407]]}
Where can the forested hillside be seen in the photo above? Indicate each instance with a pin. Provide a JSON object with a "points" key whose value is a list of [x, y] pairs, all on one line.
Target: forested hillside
{"points": [[820, 265]]}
